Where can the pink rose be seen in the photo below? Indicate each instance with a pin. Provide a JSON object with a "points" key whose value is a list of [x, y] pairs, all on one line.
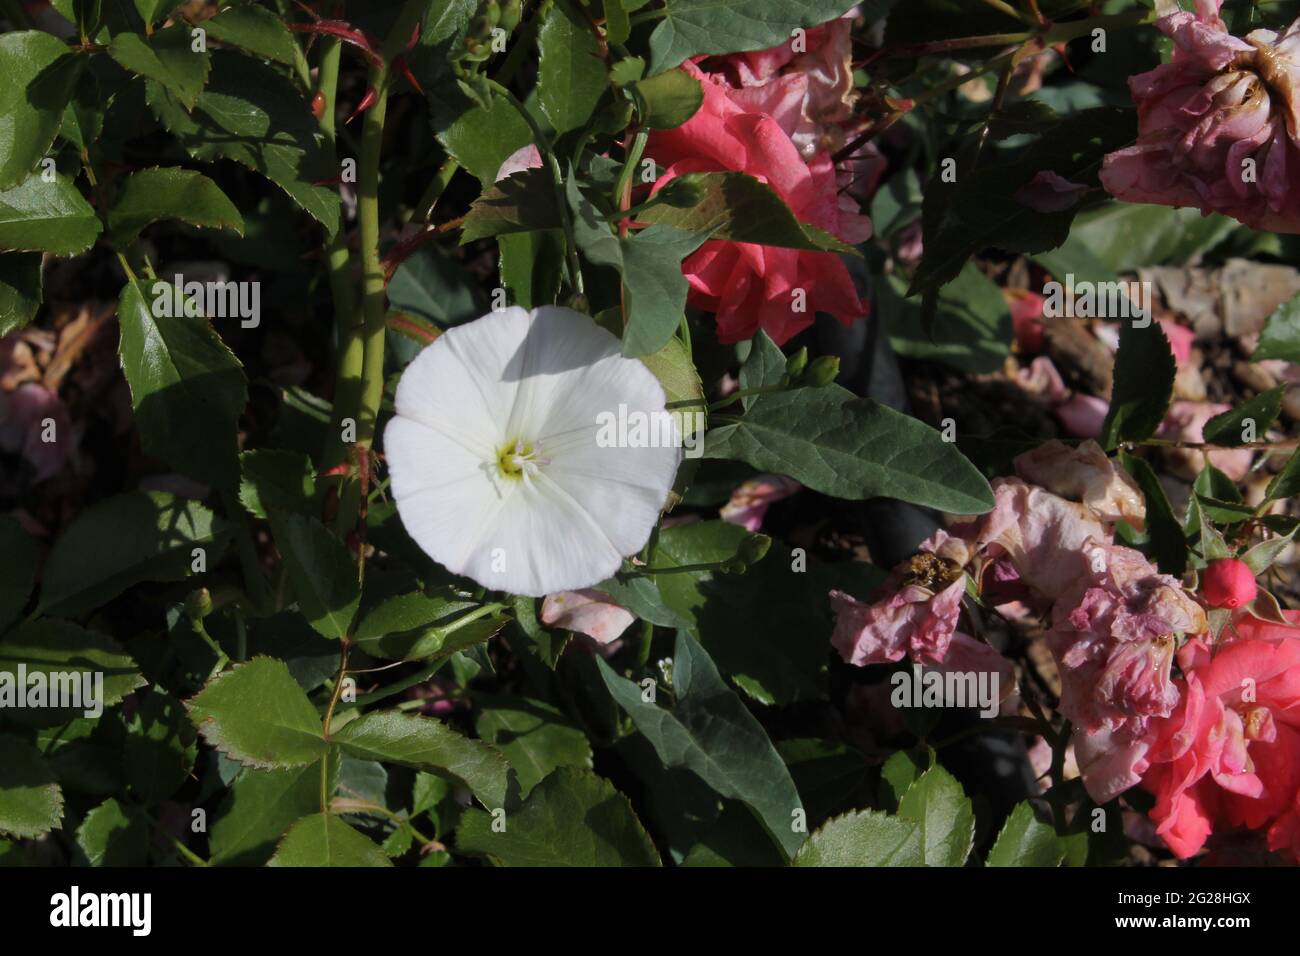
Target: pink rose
{"points": [[751, 286], [1217, 124], [1228, 582], [1229, 756]]}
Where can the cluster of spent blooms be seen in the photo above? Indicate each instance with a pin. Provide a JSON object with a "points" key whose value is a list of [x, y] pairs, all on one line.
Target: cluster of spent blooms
{"points": [[1218, 124], [778, 115], [1216, 744]]}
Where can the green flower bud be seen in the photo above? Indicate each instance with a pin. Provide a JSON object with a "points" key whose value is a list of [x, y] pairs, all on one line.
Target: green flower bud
{"points": [[796, 363], [754, 548], [822, 371], [198, 604]]}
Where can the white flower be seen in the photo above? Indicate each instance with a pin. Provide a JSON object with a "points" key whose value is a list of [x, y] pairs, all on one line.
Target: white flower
{"points": [[496, 468]]}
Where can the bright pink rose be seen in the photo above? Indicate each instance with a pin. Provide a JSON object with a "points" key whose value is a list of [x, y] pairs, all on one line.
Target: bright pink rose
{"points": [[751, 286], [1218, 124], [1229, 756], [1228, 582]]}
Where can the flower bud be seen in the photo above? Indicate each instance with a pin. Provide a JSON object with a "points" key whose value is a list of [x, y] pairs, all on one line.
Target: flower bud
{"points": [[796, 363], [822, 371], [1228, 582], [198, 604], [754, 548]]}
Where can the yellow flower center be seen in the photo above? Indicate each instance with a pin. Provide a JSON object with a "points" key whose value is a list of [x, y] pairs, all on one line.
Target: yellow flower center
{"points": [[518, 460]]}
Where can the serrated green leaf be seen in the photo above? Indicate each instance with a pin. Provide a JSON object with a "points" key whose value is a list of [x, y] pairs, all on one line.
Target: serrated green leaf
{"points": [[171, 193], [256, 811], [63, 652], [114, 834], [40, 73], [834, 442], [1286, 483], [122, 541], [710, 731], [1260, 411], [17, 569], [251, 113], [20, 290], [46, 216], [274, 480], [571, 78], [421, 626], [324, 840], [428, 744], [31, 802], [1026, 841], [1144, 384], [863, 838], [482, 137], [522, 202], [1281, 336], [159, 749], [184, 379], [255, 29], [321, 570], [939, 807], [166, 57], [669, 99], [571, 818], [257, 714]]}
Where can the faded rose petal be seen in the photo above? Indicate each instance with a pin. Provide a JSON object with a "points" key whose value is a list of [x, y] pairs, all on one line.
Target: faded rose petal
{"points": [[750, 501], [1082, 416], [587, 611], [1085, 473], [913, 621], [1049, 192]]}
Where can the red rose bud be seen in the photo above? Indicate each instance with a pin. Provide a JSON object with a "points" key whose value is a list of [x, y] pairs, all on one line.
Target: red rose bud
{"points": [[1228, 583], [318, 105]]}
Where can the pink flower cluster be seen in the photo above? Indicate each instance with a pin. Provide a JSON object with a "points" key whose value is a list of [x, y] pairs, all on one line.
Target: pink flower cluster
{"points": [[1218, 124], [778, 115], [1218, 742]]}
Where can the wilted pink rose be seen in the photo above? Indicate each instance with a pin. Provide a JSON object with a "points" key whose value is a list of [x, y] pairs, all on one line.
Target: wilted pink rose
{"points": [[911, 620], [750, 501], [1217, 124], [748, 286], [1113, 636], [1229, 756], [589, 612]]}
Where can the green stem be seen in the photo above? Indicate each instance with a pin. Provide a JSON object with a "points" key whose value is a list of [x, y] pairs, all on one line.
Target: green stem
{"points": [[254, 580], [433, 192]]}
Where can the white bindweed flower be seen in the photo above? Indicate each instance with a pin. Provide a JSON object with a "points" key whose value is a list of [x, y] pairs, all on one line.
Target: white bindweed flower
{"points": [[497, 468]]}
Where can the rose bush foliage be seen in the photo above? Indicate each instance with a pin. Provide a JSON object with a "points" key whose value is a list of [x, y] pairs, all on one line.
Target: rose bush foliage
{"points": [[454, 540]]}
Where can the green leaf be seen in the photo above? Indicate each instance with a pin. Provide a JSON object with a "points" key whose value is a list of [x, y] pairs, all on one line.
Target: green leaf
{"points": [[849, 447], [122, 541], [572, 77], [897, 775], [255, 29], [669, 99], [31, 802], [41, 216], [1260, 411], [184, 381], [428, 744], [322, 572], [522, 202], [83, 118], [1281, 336], [324, 840], [114, 834], [572, 818], [654, 288], [276, 481], [534, 736], [1286, 483], [64, 651], [159, 749], [166, 57], [711, 732], [1122, 237], [431, 285], [971, 328], [938, 805], [17, 569], [40, 73], [1025, 841], [416, 627], [1168, 540], [980, 209], [863, 838], [1144, 384], [172, 193], [252, 114], [691, 27], [20, 290], [257, 714], [257, 809], [738, 208], [482, 137], [764, 366]]}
